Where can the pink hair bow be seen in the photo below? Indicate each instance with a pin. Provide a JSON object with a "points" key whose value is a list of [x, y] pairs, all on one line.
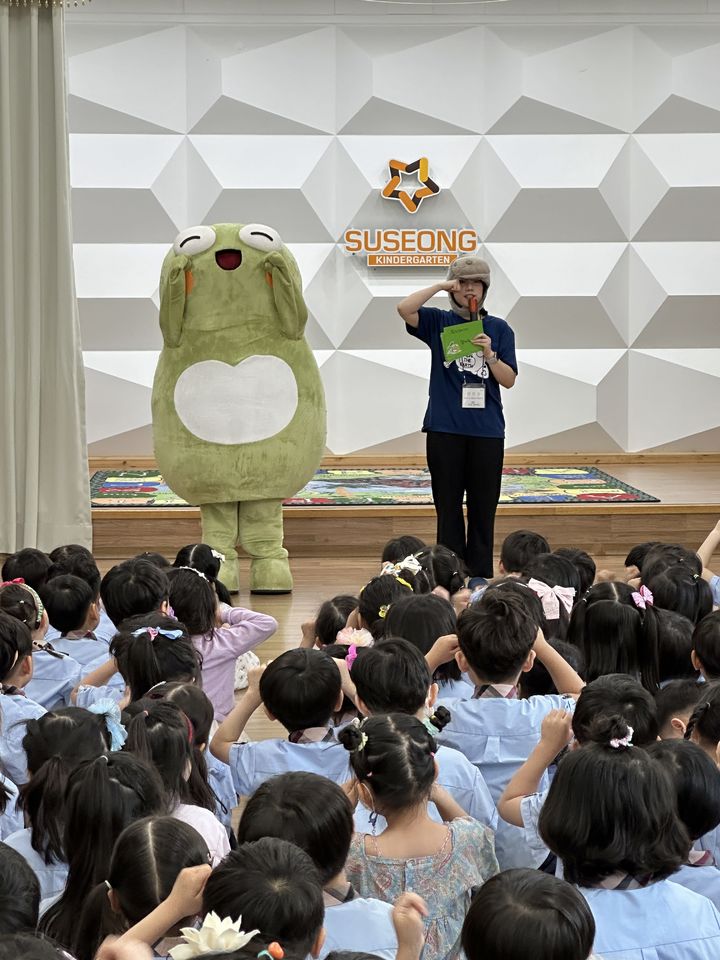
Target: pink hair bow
{"points": [[552, 597], [351, 656], [9, 583], [643, 598]]}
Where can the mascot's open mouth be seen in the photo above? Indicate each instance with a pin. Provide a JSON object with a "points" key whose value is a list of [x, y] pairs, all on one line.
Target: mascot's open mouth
{"points": [[228, 259]]}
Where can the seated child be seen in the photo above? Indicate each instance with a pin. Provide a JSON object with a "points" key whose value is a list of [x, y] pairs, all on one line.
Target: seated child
{"points": [[29, 565], [557, 583], [147, 860], [400, 547], [705, 645], [584, 565], [74, 612], [393, 677], [163, 736], [316, 815], [675, 644], [301, 689], [611, 818], [446, 573], [518, 549], [331, 620], [704, 729], [54, 674], [521, 907], [496, 731], [55, 745], [680, 589], [132, 588], [393, 763], [16, 666], [675, 703], [377, 597], [220, 633], [78, 561], [636, 558], [697, 784], [422, 620]]}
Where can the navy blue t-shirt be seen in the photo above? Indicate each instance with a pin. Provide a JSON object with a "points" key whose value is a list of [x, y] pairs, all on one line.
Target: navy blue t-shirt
{"points": [[445, 413]]}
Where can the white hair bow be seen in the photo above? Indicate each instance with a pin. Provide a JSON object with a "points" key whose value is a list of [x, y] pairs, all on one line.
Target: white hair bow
{"points": [[552, 597]]}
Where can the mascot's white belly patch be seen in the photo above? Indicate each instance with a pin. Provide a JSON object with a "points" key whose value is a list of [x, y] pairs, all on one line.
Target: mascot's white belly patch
{"points": [[251, 401]]}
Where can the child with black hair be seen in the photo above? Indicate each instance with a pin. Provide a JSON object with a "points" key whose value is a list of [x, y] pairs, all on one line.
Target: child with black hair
{"points": [[518, 549], [74, 611], [54, 674], [155, 879], [499, 640], [220, 633], [376, 598], [78, 561], [316, 815], [557, 583], [697, 784], [133, 588], [203, 557], [681, 589], [16, 667], [103, 796], [703, 728], [163, 736], [400, 547], [616, 628], [393, 762], [613, 695], [330, 620], [159, 559], [521, 907], [705, 647], [636, 558], [446, 574], [19, 893], [611, 818], [675, 644], [662, 556], [584, 565], [55, 744], [196, 705], [29, 565], [675, 703], [422, 620], [147, 650], [302, 689], [393, 677]]}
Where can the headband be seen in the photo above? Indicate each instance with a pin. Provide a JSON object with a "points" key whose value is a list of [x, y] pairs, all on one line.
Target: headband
{"points": [[194, 570], [214, 936], [552, 597], [39, 605]]}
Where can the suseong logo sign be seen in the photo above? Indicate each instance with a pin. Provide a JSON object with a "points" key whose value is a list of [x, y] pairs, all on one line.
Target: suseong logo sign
{"points": [[406, 247]]}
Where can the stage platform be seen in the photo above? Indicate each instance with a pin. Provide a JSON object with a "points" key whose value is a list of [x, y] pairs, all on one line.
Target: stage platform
{"points": [[688, 487]]}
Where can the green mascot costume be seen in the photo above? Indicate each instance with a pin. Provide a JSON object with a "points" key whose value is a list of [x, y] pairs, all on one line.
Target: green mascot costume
{"points": [[238, 405]]}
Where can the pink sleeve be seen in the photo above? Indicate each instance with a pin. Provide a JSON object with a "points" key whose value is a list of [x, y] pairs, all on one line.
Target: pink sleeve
{"points": [[243, 630]]}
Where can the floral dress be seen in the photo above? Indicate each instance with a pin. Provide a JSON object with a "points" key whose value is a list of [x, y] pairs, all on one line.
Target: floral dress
{"points": [[446, 880]]}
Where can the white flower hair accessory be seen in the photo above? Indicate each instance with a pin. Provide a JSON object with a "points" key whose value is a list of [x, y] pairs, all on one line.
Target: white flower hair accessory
{"points": [[218, 556], [625, 741], [214, 936]]}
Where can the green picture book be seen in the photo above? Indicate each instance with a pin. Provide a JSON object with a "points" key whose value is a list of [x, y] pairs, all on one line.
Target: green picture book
{"points": [[456, 340]]}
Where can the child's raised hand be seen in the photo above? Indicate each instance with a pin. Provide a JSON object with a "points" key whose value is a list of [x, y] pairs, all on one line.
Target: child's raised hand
{"points": [[114, 949], [253, 676], [460, 600], [444, 649], [187, 892], [556, 730], [354, 620], [407, 918], [308, 634]]}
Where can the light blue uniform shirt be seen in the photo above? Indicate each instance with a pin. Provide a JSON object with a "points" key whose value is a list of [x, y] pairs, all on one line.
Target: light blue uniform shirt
{"points": [[662, 921], [105, 630], [703, 880], [463, 782], [715, 589], [51, 876], [710, 841], [498, 735], [363, 925], [53, 679], [455, 690], [15, 709], [11, 819], [221, 781], [254, 763], [87, 696]]}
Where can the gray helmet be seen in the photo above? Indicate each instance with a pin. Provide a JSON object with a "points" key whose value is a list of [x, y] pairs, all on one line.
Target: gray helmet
{"points": [[470, 268]]}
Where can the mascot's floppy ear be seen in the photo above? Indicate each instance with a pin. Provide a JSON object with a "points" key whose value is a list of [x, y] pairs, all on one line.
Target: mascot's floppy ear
{"points": [[172, 300], [284, 277]]}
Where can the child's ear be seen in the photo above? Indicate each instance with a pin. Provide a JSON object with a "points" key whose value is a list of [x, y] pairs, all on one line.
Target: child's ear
{"points": [[501, 568], [339, 702], [679, 727], [432, 695], [26, 668], [528, 665], [316, 948], [461, 661], [696, 662], [269, 715], [114, 901]]}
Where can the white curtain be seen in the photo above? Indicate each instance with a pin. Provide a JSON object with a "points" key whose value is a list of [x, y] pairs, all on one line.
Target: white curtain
{"points": [[44, 498]]}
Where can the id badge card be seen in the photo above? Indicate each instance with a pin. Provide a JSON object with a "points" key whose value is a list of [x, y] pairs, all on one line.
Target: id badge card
{"points": [[473, 396]]}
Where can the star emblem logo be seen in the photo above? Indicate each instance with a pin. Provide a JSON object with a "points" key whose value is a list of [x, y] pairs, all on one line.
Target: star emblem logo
{"points": [[392, 189]]}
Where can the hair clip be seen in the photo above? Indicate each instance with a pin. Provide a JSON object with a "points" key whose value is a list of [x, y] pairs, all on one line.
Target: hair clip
{"points": [[383, 611], [194, 570], [403, 582], [351, 656], [625, 741], [107, 884], [274, 951], [358, 724], [152, 632], [218, 556], [643, 598], [214, 936]]}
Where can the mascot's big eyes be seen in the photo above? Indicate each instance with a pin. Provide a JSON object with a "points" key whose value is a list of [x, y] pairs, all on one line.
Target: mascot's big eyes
{"points": [[194, 240], [261, 237]]}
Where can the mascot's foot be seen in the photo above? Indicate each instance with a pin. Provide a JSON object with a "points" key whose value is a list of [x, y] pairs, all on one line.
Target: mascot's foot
{"points": [[230, 575], [270, 576]]}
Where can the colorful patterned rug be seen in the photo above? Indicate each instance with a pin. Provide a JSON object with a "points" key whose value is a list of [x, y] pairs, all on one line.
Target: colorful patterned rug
{"points": [[385, 486]]}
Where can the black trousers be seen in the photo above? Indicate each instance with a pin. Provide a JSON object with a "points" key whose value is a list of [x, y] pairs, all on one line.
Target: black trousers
{"points": [[462, 465]]}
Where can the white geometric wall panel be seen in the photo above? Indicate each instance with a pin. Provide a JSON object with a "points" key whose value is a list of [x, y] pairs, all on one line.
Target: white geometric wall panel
{"points": [[585, 155]]}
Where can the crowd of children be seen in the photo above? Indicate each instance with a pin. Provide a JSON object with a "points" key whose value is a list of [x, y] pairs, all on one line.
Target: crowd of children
{"points": [[530, 770]]}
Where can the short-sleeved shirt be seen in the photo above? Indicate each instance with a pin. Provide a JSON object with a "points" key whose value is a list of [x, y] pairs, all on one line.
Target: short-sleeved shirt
{"points": [[363, 925], [445, 413], [15, 710], [254, 763], [54, 678]]}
